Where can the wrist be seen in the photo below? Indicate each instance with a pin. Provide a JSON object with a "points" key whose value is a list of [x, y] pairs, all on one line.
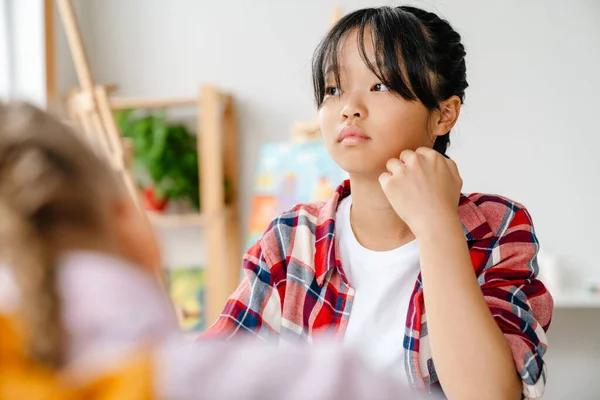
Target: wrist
{"points": [[439, 228]]}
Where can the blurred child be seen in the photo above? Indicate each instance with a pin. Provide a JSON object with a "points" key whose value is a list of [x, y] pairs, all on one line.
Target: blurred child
{"points": [[74, 243], [81, 316]]}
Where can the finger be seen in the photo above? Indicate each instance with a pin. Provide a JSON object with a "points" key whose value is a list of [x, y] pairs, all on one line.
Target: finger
{"points": [[427, 152], [408, 156], [394, 165], [384, 178]]}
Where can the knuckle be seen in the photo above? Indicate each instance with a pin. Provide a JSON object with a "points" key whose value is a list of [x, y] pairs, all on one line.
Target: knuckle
{"points": [[392, 163], [427, 152], [384, 179], [407, 154]]}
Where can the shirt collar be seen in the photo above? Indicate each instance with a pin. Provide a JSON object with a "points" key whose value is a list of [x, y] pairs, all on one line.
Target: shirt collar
{"points": [[475, 227]]}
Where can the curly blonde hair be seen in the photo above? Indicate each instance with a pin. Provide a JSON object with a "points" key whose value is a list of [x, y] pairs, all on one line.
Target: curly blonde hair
{"points": [[50, 180]]}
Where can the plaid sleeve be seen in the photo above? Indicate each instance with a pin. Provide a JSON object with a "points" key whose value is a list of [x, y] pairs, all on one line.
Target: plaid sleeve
{"points": [[519, 302], [255, 306]]}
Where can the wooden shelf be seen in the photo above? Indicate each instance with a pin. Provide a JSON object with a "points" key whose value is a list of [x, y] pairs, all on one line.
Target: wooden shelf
{"points": [[576, 298], [121, 103], [185, 220]]}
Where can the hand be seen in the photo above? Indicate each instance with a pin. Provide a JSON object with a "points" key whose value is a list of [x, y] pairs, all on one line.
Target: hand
{"points": [[423, 187]]}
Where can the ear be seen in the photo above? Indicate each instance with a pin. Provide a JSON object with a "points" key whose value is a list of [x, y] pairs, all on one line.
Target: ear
{"points": [[120, 213], [120, 218], [134, 234], [445, 118]]}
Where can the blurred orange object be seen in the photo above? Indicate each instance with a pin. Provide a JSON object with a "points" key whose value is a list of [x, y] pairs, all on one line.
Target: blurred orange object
{"points": [[23, 378], [19, 377]]}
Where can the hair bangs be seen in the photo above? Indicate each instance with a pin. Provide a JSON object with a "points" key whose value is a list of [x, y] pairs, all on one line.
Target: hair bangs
{"points": [[396, 38]]}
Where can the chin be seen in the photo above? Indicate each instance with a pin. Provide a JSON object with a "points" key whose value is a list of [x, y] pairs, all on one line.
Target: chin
{"points": [[359, 165]]}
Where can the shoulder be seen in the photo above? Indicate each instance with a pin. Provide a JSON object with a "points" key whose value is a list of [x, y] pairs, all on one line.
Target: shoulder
{"points": [[306, 210], [306, 214], [499, 212], [313, 214], [298, 223]]}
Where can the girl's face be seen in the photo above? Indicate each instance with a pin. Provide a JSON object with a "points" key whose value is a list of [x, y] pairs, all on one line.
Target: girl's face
{"points": [[363, 123]]}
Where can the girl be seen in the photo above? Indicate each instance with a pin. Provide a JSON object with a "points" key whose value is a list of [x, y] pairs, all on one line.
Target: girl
{"points": [[70, 235], [81, 317], [435, 286]]}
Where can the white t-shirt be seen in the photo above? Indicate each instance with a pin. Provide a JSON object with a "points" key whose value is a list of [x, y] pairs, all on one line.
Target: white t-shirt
{"points": [[384, 282]]}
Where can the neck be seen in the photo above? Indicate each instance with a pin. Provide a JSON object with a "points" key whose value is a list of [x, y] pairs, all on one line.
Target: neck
{"points": [[376, 224]]}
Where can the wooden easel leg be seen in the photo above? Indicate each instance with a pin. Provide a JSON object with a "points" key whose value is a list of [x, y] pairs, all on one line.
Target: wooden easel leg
{"points": [[73, 34]]}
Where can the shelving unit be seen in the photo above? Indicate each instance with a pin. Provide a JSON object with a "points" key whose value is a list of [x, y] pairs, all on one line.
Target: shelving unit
{"points": [[576, 299], [217, 154], [181, 220], [91, 108]]}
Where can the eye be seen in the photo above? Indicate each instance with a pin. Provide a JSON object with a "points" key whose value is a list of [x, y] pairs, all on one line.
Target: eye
{"points": [[332, 91], [380, 87]]}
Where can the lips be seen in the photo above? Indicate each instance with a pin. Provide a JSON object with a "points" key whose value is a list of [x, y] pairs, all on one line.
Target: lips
{"points": [[352, 135]]}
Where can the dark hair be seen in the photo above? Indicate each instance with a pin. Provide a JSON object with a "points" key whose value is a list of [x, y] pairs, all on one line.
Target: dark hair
{"points": [[418, 55]]}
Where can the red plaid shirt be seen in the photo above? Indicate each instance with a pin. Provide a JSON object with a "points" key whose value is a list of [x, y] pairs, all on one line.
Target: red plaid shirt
{"points": [[295, 286]]}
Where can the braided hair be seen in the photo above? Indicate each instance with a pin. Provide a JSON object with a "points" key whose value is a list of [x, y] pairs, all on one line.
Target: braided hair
{"points": [[49, 181]]}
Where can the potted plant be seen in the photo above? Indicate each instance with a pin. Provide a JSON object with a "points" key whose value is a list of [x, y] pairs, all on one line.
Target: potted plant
{"points": [[165, 158]]}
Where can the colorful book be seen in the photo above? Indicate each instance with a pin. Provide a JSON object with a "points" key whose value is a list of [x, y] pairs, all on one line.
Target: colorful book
{"points": [[186, 287]]}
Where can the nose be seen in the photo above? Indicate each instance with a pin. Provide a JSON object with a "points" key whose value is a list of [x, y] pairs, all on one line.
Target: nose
{"points": [[354, 108]]}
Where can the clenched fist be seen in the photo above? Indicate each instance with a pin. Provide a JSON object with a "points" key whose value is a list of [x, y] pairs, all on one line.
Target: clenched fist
{"points": [[423, 187]]}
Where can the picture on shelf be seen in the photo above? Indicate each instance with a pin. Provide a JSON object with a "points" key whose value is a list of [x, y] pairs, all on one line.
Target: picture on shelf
{"points": [[290, 173], [186, 286]]}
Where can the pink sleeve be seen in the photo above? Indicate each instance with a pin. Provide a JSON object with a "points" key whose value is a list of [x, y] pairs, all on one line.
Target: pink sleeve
{"points": [[108, 303], [250, 370]]}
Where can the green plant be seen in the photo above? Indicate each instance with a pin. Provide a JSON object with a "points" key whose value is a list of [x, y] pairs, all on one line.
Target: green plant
{"points": [[163, 153]]}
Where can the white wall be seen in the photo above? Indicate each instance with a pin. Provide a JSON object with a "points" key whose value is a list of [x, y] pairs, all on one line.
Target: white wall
{"points": [[5, 81], [528, 130], [27, 50], [22, 50], [574, 355]]}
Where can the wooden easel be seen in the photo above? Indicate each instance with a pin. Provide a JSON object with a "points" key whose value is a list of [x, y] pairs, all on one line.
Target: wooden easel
{"points": [[91, 109], [336, 15]]}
